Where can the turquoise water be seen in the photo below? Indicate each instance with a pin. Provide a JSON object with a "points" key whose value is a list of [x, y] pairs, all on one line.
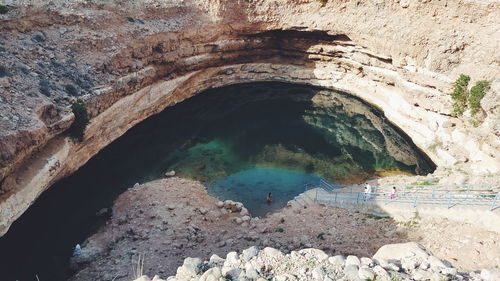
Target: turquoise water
{"points": [[243, 141], [251, 187]]}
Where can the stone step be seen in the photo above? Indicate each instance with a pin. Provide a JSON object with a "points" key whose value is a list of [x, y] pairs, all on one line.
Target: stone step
{"points": [[300, 201], [307, 199], [310, 196]]}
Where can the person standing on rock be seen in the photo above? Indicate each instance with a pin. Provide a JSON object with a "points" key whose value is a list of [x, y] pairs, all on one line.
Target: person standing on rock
{"points": [[368, 191], [393, 193], [269, 198], [78, 250]]}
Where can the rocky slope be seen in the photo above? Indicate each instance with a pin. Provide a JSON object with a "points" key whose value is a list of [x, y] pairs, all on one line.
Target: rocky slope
{"points": [[129, 60], [170, 219], [408, 261]]}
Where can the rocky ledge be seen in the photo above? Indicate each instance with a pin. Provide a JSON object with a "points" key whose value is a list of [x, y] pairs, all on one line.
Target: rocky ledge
{"points": [[405, 261]]}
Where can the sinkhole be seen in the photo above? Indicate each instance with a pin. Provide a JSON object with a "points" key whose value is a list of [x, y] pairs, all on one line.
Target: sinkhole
{"points": [[241, 141]]}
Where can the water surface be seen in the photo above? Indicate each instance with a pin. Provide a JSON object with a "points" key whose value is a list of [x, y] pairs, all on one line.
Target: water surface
{"points": [[252, 186], [242, 141]]}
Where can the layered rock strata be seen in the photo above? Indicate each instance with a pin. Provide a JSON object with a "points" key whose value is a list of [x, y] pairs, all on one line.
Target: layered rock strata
{"points": [[129, 61]]}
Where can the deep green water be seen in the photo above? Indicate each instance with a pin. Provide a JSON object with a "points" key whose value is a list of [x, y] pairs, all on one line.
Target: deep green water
{"points": [[242, 141]]}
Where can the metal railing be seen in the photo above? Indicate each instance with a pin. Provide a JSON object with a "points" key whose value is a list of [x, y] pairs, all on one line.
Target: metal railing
{"points": [[446, 195]]}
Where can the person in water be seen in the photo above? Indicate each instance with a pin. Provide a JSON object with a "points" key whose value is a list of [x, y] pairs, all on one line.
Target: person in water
{"points": [[269, 198]]}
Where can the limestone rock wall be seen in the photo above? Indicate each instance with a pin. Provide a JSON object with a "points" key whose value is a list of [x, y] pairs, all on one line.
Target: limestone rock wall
{"points": [[130, 60]]}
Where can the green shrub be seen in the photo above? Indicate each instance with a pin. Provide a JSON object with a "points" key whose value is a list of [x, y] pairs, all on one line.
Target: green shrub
{"points": [[476, 94], [71, 90], [82, 119], [459, 95], [130, 19], [3, 9]]}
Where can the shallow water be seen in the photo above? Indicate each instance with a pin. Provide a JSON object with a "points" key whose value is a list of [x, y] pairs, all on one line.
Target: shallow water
{"points": [[242, 141], [251, 187]]}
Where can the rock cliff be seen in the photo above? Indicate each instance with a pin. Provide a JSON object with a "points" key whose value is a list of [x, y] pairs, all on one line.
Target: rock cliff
{"points": [[130, 60]]}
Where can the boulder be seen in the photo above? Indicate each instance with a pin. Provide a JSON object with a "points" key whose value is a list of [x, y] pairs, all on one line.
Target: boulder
{"points": [[318, 273], [351, 272], [352, 260], [231, 259], [271, 252], [213, 274], [366, 273], [228, 203], [314, 253], [190, 268], [249, 253], [170, 174], [337, 261], [381, 273], [143, 278], [366, 261], [244, 212], [398, 252], [490, 274], [215, 260]]}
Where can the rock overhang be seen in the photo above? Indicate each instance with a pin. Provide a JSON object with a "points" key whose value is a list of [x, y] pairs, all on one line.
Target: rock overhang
{"points": [[161, 63]]}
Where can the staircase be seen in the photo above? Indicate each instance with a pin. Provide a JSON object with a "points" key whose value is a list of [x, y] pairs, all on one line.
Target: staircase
{"points": [[304, 199]]}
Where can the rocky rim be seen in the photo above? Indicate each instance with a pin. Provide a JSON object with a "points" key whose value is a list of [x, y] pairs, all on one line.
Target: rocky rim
{"points": [[139, 58], [167, 220]]}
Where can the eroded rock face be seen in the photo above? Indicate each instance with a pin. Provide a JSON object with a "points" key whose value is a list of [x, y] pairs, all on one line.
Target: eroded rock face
{"points": [[129, 61]]}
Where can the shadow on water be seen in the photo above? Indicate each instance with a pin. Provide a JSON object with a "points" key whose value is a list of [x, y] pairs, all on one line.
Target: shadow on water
{"points": [[296, 132]]}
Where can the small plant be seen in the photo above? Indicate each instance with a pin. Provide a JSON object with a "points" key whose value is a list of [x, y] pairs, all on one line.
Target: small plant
{"points": [[130, 19], [71, 89], [420, 184], [476, 95], [3, 9], [279, 229], [459, 95], [321, 236], [322, 2], [77, 129], [138, 266], [413, 222], [462, 97]]}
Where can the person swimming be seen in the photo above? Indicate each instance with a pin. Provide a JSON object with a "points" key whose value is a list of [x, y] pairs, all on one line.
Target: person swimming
{"points": [[269, 197]]}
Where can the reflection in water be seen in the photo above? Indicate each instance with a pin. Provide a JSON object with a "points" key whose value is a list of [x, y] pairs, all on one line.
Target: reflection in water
{"points": [[239, 132]]}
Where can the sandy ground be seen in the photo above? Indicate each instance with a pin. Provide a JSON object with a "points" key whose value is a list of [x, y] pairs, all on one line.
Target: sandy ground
{"points": [[170, 219]]}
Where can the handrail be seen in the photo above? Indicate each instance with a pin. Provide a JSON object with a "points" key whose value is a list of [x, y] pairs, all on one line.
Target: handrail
{"points": [[423, 194]]}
